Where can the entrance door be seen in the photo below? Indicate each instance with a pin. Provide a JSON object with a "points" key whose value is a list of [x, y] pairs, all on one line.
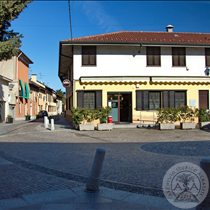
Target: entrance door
{"points": [[2, 111], [121, 104]]}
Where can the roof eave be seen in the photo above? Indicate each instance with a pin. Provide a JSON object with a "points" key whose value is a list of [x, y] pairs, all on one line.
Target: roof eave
{"points": [[130, 43]]}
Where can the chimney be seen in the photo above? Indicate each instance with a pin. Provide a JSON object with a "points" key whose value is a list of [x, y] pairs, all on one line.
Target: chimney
{"points": [[169, 28], [33, 77]]}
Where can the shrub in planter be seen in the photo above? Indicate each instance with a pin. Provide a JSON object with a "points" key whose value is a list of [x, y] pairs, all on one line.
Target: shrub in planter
{"points": [[37, 116], [204, 118], [167, 116], [189, 114], [9, 119], [28, 117]]}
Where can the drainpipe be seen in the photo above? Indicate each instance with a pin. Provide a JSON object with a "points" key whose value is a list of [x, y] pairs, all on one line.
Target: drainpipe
{"points": [[17, 63]]}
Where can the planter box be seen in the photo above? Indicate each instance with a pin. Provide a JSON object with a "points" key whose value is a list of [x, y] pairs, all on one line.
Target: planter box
{"points": [[188, 125], [28, 118], [9, 120], [105, 127], [167, 126], [205, 125], [86, 127]]}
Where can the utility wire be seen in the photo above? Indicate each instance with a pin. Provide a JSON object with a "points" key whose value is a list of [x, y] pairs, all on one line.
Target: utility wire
{"points": [[70, 19]]}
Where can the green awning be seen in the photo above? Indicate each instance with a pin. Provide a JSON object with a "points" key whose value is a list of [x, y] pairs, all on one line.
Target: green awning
{"points": [[21, 92], [27, 90]]}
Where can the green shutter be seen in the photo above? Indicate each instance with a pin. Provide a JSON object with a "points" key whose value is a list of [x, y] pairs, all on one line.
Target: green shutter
{"points": [[21, 92], [27, 90]]}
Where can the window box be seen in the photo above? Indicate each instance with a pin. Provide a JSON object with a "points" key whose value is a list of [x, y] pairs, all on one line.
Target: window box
{"points": [[188, 125], [105, 127], [166, 126]]}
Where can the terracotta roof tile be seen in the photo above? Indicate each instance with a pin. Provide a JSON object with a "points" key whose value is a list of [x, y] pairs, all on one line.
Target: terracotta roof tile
{"points": [[149, 37]]}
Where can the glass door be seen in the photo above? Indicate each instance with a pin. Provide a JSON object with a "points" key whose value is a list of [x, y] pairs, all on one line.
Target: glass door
{"points": [[113, 101]]}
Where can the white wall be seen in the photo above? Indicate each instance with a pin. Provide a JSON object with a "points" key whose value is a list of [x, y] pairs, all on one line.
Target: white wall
{"points": [[7, 68], [126, 61], [4, 91]]}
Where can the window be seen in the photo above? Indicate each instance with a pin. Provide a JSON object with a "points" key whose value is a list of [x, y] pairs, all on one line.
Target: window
{"points": [[89, 99], [151, 100], [154, 100], [207, 55], [19, 108], [178, 56], [89, 55], [203, 99], [153, 56], [180, 98]]}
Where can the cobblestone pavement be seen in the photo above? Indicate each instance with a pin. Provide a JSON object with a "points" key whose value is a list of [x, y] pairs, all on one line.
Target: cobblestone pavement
{"points": [[133, 156]]}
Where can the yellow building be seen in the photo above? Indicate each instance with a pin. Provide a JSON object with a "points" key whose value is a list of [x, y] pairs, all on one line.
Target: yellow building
{"points": [[136, 72]]}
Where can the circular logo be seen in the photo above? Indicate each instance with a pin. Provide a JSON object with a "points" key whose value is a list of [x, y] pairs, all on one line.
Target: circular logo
{"points": [[66, 83], [185, 185]]}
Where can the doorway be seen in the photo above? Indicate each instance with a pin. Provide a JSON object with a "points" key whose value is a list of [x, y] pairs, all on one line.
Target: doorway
{"points": [[121, 104]]}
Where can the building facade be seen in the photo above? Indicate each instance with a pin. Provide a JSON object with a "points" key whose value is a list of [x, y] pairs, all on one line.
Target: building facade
{"points": [[136, 72]]}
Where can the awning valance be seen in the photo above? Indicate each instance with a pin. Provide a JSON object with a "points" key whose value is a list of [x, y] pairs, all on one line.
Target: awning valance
{"points": [[181, 80], [27, 90], [21, 90], [114, 80]]}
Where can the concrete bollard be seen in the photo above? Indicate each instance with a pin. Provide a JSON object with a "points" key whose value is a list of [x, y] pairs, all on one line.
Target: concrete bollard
{"points": [[52, 125], [92, 184], [205, 165], [46, 123]]}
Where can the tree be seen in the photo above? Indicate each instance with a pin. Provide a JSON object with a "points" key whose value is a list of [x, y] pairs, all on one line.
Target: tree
{"points": [[10, 41], [61, 93]]}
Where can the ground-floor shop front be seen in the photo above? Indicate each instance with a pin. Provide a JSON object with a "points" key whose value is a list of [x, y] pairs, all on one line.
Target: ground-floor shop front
{"points": [[134, 100]]}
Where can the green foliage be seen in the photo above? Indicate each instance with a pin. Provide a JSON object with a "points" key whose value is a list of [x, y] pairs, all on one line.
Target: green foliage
{"points": [[103, 113], [81, 114], [10, 41], [203, 115], [9, 116], [28, 115], [76, 115], [61, 94], [187, 113], [167, 115]]}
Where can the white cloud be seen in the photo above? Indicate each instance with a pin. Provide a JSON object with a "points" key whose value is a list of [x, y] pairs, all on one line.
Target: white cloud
{"points": [[97, 14]]}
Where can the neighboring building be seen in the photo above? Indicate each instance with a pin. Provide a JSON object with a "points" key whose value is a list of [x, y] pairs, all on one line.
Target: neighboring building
{"points": [[136, 72], [15, 89], [46, 97]]}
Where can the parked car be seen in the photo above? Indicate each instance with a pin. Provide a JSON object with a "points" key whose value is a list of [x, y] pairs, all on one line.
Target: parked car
{"points": [[43, 113]]}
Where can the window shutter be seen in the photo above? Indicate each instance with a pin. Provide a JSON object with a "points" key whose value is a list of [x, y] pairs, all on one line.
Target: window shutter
{"points": [[98, 98], [139, 94], [174, 56], [165, 99], [182, 56], [207, 53], [80, 98], [145, 100], [171, 99], [203, 99]]}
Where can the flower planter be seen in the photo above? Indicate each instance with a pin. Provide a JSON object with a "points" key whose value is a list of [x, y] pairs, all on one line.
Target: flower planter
{"points": [[86, 127], [105, 127], [188, 125], [166, 126], [9, 120], [205, 125], [37, 117], [28, 117]]}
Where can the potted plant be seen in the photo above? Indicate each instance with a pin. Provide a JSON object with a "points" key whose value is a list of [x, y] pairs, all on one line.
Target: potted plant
{"points": [[9, 119], [76, 116], [28, 117], [88, 117], [188, 114], [204, 118], [37, 116], [166, 117], [102, 115]]}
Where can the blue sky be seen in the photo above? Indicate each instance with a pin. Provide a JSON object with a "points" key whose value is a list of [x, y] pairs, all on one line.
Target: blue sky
{"points": [[45, 23]]}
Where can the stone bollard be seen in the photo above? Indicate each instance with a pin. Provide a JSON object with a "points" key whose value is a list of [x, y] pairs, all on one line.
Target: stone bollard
{"points": [[46, 123], [205, 165], [52, 125], [92, 184]]}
